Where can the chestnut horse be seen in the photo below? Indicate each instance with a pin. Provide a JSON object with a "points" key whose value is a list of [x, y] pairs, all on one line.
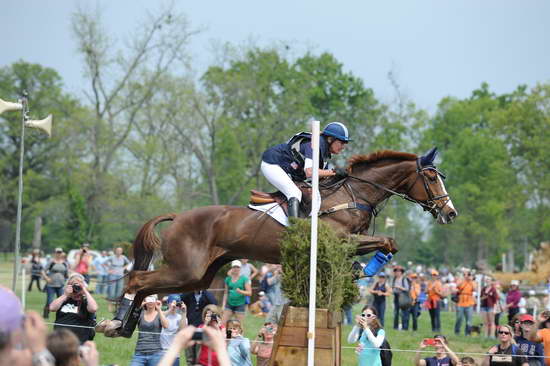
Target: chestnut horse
{"points": [[200, 241]]}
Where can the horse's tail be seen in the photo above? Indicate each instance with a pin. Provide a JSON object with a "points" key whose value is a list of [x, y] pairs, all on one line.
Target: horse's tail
{"points": [[147, 241]]}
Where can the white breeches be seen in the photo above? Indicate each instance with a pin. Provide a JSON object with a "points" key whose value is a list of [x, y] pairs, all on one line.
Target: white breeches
{"points": [[278, 177]]}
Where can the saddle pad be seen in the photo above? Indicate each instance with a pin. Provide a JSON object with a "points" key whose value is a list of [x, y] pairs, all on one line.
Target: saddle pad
{"points": [[272, 209]]}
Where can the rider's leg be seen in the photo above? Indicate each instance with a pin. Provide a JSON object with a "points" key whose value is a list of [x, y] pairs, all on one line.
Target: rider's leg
{"points": [[278, 178]]}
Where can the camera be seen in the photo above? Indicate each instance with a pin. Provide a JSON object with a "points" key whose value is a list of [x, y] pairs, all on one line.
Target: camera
{"points": [[179, 304], [77, 288], [199, 335], [228, 334]]}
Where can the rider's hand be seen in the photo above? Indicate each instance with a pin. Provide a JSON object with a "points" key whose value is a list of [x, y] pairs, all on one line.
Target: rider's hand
{"points": [[341, 172]]}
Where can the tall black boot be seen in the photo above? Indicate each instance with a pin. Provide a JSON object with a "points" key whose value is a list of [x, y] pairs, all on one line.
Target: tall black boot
{"points": [[293, 207]]}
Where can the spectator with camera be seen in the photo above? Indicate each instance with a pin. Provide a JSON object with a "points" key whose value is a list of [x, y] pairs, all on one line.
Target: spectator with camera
{"points": [[83, 260], [443, 354], [371, 337], [195, 302], [263, 344], [211, 318], [190, 336], [55, 273], [238, 347], [177, 320], [75, 307], [148, 350]]}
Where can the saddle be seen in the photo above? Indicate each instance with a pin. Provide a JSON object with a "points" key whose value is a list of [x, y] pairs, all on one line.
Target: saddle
{"points": [[261, 198]]}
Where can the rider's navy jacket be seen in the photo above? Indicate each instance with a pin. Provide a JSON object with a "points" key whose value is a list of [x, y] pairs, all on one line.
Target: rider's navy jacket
{"points": [[282, 155]]}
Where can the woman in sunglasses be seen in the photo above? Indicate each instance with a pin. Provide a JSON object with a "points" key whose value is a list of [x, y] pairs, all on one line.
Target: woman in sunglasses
{"points": [[368, 331], [507, 352]]}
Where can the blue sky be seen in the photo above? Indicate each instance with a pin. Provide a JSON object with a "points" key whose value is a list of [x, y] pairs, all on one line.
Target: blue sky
{"points": [[435, 47]]}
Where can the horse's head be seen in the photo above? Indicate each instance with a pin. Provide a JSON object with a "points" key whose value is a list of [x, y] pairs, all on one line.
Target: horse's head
{"points": [[429, 190]]}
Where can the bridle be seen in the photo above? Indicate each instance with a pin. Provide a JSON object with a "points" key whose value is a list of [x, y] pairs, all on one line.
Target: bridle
{"points": [[429, 205]]}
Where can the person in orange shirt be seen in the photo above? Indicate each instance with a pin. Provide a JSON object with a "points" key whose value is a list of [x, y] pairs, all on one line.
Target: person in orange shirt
{"points": [[414, 310], [542, 335], [465, 306], [435, 293]]}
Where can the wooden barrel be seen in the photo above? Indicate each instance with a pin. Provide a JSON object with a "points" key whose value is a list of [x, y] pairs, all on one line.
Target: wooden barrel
{"points": [[290, 343]]}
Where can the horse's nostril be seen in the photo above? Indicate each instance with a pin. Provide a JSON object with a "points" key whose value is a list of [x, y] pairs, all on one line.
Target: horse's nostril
{"points": [[452, 215]]}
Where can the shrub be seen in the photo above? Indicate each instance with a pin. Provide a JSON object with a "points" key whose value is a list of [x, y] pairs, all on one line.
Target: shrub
{"points": [[334, 278]]}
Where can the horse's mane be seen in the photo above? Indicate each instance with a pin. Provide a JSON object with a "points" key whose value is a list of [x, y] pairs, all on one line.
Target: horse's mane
{"points": [[379, 156]]}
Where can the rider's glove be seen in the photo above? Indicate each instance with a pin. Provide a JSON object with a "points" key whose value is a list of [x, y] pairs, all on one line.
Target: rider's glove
{"points": [[341, 172]]}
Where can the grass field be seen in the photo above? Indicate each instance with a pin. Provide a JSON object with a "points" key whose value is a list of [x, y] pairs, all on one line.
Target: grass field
{"points": [[120, 350]]}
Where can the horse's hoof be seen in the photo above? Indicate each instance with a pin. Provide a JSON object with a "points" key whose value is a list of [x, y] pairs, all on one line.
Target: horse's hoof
{"points": [[100, 327]]}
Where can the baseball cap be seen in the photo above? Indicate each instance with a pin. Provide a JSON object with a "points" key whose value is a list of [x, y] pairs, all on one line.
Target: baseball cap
{"points": [[236, 263], [413, 275], [59, 249], [261, 293], [11, 316], [173, 297], [526, 318], [514, 283], [382, 274], [434, 272]]}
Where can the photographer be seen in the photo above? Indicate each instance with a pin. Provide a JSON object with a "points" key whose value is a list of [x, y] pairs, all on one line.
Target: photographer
{"points": [[238, 347], [148, 350], [75, 307], [83, 259], [176, 321], [213, 338], [211, 318], [443, 354], [263, 344]]}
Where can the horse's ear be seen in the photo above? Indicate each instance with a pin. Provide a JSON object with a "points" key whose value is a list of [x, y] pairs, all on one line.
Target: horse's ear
{"points": [[428, 158]]}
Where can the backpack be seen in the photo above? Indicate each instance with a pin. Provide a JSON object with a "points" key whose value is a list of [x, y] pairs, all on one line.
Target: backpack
{"points": [[385, 352]]}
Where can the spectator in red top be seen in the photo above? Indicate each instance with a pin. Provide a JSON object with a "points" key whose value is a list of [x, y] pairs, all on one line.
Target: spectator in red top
{"points": [[83, 259], [512, 300], [211, 316], [489, 298]]}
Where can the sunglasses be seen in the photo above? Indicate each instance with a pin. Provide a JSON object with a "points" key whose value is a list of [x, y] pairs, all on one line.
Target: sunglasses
{"points": [[367, 315], [501, 332]]}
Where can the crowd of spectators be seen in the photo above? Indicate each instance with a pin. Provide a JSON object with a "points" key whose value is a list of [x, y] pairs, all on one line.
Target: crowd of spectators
{"points": [[164, 330]]}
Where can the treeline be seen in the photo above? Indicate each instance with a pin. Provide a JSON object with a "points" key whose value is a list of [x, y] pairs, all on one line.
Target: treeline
{"points": [[148, 137]]}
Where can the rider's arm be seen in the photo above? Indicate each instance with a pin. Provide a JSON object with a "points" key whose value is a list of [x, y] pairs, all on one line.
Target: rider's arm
{"points": [[322, 172]]}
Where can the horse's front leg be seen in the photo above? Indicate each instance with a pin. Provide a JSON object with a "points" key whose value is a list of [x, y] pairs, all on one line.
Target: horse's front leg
{"points": [[368, 244]]}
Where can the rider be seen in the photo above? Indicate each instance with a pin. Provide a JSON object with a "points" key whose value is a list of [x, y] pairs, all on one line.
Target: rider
{"points": [[293, 161]]}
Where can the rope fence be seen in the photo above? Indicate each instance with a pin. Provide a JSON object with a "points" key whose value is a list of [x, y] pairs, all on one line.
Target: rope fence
{"points": [[477, 354]]}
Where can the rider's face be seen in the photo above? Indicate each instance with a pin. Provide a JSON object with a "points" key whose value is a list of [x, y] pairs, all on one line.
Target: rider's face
{"points": [[337, 147]]}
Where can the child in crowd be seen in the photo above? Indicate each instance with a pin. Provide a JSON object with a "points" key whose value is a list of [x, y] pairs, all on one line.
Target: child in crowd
{"points": [[263, 344]]}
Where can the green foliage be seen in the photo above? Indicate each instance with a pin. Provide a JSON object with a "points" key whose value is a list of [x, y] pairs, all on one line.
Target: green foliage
{"points": [[333, 265], [78, 223]]}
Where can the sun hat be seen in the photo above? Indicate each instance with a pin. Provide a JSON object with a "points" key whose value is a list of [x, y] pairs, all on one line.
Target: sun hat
{"points": [[236, 263], [526, 318], [434, 272]]}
